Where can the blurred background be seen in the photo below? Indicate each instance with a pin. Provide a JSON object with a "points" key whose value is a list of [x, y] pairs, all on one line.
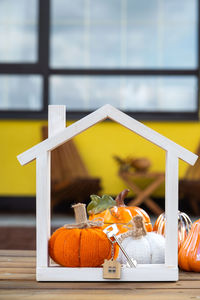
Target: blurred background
{"points": [[140, 56]]}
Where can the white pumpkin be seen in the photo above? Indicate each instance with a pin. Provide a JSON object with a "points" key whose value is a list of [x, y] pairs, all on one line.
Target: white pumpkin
{"points": [[145, 248]]}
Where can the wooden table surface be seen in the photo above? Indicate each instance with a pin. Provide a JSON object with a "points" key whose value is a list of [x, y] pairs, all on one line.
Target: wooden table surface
{"points": [[17, 281]]}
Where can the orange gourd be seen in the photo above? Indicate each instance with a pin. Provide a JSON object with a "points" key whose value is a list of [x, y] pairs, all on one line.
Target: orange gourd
{"points": [[80, 245], [134, 210], [120, 214], [189, 254], [184, 225]]}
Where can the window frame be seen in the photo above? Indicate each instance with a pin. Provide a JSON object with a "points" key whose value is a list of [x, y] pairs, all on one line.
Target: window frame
{"points": [[41, 67]]}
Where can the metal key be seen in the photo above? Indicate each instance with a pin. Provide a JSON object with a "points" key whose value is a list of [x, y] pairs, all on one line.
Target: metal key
{"points": [[111, 232]]}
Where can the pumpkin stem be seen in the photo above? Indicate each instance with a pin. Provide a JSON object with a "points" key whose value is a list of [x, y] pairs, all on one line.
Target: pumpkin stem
{"points": [[120, 198], [81, 218], [138, 230], [80, 213], [139, 227]]}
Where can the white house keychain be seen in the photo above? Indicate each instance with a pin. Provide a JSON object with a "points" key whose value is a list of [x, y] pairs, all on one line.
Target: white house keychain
{"points": [[111, 268]]}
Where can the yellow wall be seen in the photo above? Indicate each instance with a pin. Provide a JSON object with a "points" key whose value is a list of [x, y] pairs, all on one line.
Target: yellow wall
{"points": [[97, 146]]}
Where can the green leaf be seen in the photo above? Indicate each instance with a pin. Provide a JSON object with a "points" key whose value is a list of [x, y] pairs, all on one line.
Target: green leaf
{"points": [[98, 204]]}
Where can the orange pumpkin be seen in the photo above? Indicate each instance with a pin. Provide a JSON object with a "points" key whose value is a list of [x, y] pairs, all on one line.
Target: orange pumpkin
{"points": [[134, 210], [81, 245], [189, 254], [117, 212], [184, 225]]}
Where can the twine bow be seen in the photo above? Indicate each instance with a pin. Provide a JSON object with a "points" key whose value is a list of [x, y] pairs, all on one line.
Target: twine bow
{"points": [[97, 222], [81, 218], [138, 229]]}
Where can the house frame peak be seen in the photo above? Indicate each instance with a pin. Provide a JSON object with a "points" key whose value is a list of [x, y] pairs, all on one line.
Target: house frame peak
{"points": [[107, 112]]}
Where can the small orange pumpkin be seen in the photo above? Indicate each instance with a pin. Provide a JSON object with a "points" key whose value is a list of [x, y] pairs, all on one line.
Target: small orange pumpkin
{"points": [[134, 210], [80, 245], [116, 211], [184, 226], [189, 254]]}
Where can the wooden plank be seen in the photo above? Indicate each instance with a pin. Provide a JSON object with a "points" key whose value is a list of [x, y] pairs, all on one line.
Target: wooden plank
{"points": [[143, 272], [16, 284], [17, 270], [20, 276], [151, 294], [19, 284], [171, 209], [17, 264], [29, 256], [107, 111], [56, 119], [17, 274], [183, 276], [18, 253], [56, 123], [17, 259], [43, 208]]}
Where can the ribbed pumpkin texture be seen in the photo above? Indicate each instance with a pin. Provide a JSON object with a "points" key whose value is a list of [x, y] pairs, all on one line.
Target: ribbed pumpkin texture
{"points": [[184, 226], [79, 247], [189, 254], [145, 248], [83, 244]]}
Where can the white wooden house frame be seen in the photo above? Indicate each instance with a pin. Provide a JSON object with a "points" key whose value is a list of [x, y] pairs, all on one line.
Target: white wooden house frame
{"points": [[59, 134]]}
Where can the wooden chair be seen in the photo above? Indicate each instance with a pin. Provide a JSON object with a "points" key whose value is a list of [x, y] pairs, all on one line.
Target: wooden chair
{"points": [[189, 186], [70, 180], [143, 196]]}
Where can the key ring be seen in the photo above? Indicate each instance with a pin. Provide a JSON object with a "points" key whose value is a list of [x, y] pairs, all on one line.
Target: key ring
{"points": [[111, 232]]}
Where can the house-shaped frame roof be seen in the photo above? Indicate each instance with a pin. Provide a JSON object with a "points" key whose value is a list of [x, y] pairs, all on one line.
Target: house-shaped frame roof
{"points": [[107, 112]]}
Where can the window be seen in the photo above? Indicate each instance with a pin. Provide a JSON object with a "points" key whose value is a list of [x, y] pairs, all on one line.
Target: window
{"points": [[18, 31], [140, 56], [20, 92]]}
